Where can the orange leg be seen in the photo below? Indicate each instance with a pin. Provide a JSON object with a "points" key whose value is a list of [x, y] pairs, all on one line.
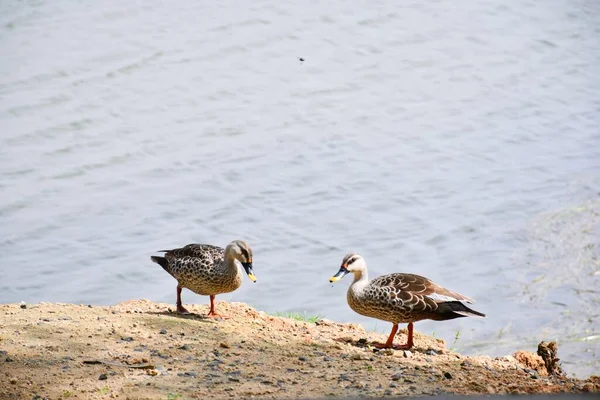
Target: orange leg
{"points": [[390, 342], [180, 308], [212, 313]]}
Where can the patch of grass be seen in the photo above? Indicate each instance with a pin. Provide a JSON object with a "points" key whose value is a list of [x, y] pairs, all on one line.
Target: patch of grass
{"points": [[67, 393], [174, 396], [370, 367], [456, 337], [299, 317], [104, 390]]}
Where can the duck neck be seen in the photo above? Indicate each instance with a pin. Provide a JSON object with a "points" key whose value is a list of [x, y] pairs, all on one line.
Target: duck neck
{"points": [[360, 277], [230, 263]]}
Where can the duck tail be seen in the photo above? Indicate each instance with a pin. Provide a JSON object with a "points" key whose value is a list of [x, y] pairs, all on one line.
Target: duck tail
{"points": [[162, 262], [455, 309]]}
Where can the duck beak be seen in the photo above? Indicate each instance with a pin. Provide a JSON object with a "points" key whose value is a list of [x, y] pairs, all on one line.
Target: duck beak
{"points": [[340, 274], [248, 267]]}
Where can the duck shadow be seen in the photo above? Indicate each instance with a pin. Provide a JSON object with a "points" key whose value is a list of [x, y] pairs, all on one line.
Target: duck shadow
{"points": [[188, 316], [367, 345]]}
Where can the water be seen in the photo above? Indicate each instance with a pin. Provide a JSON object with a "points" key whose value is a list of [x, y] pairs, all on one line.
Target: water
{"points": [[460, 143]]}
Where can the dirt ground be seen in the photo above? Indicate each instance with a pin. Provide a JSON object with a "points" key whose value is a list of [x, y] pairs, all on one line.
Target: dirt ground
{"points": [[139, 349]]}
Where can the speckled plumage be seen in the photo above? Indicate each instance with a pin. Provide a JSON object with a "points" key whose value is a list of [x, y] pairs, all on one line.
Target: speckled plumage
{"points": [[400, 298], [206, 269]]}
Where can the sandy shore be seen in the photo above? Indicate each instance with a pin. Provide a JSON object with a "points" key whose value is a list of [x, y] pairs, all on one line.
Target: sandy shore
{"points": [[139, 349]]}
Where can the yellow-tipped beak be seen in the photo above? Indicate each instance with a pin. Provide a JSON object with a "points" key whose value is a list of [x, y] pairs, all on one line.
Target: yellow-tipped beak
{"points": [[340, 274], [252, 277]]}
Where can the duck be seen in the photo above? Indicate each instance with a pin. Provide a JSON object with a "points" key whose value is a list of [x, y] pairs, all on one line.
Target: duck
{"points": [[207, 270], [400, 298]]}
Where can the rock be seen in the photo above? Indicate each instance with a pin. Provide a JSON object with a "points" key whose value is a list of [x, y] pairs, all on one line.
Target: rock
{"points": [[393, 385], [23, 305], [407, 353], [127, 339], [224, 345], [447, 375], [8, 359], [302, 358], [184, 347], [324, 322], [103, 377], [163, 331], [532, 361], [327, 358], [397, 376], [548, 352], [432, 352], [388, 392]]}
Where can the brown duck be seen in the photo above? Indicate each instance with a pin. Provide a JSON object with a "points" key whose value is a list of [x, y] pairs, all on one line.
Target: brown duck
{"points": [[207, 270], [400, 298]]}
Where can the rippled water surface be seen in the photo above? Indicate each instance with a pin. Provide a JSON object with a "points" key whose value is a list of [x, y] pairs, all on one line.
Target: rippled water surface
{"points": [[457, 142]]}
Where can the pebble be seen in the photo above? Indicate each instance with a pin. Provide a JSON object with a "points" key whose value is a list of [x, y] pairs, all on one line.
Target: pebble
{"points": [[397, 376], [432, 352], [8, 359], [302, 358], [23, 305], [224, 345], [393, 385], [163, 331], [327, 358], [344, 377], [184, 347], [127, 339], [407, 353], [388, 392], [447, 375], [103, 377]]}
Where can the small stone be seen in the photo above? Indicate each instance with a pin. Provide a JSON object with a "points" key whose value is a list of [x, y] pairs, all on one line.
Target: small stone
{"points": [[23, 305], [224, 345], [327, 358], [127, 339], [302, 358], [407, 353], [393, 385], [8, 359], [432, 352], [13, 381], [388, 392], [397, 376], [184, 347], [361, 385], [356, 356], [163, 331], [103, 377], [447, 375]]}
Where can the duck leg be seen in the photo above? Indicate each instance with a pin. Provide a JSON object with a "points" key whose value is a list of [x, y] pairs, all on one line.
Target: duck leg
{"points": [[212, 313], [180, 308], [390, 342]]}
